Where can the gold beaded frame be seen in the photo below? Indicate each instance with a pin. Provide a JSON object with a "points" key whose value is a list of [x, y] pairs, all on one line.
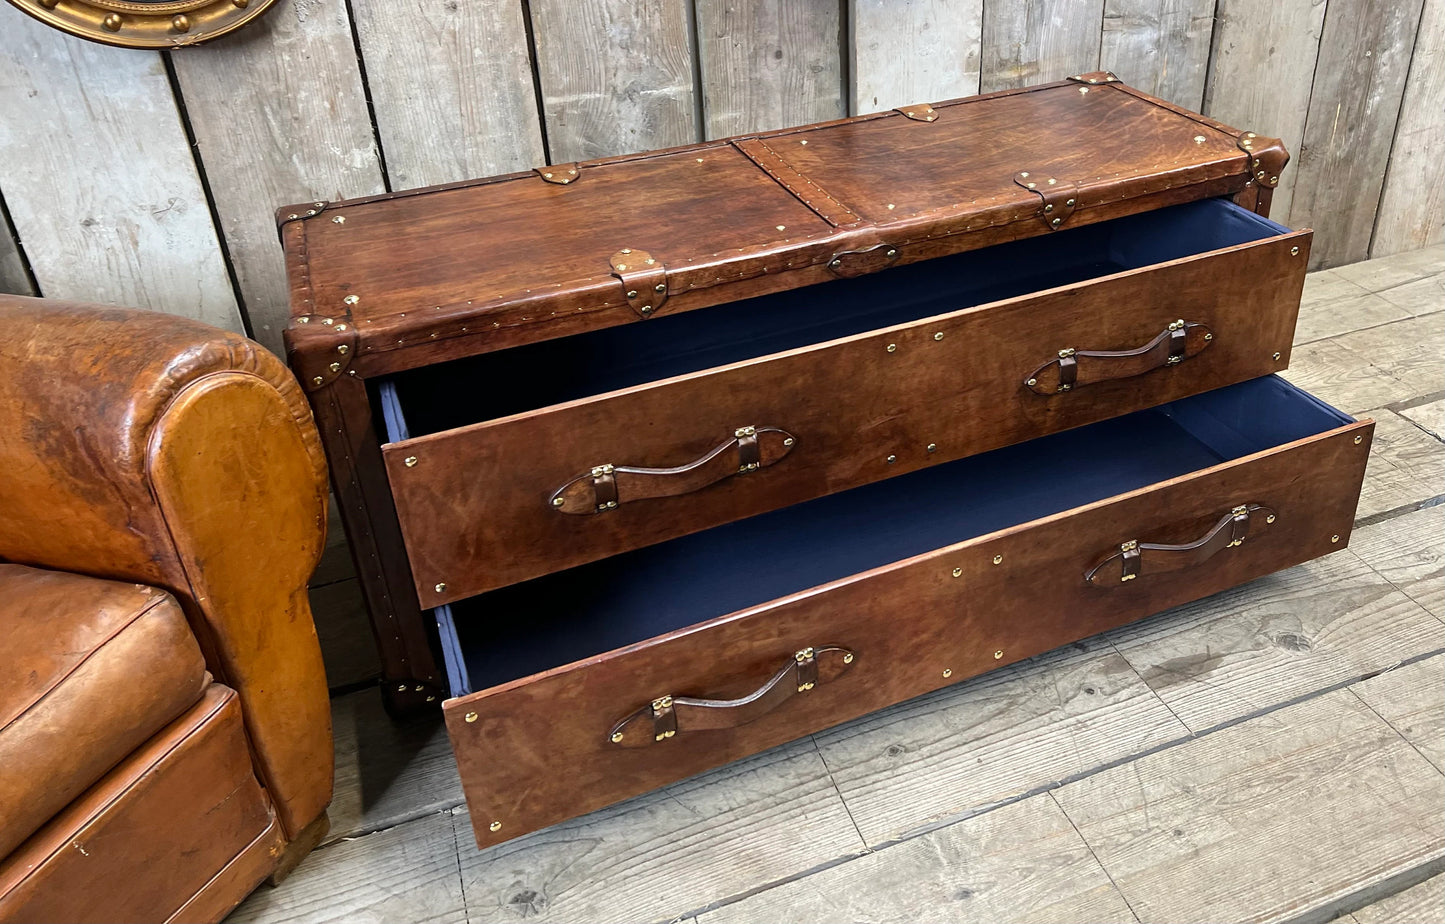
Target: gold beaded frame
{"points": [[131, 24]]}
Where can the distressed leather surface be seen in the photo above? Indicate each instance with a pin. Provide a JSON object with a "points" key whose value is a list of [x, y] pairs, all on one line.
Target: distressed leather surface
{"points": [[150, 448], [91, 670], [146, 841]]}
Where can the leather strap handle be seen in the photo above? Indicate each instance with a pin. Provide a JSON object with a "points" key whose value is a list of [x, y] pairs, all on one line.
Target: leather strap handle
{"points": [[1135, 558], [606, 486], [1072, 368], [667, 716]]}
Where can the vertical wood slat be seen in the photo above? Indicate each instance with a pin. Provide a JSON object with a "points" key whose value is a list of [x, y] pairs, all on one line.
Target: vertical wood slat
{"points": [[279, 116], [1263, 66], [1027, 42], [1159, 46], [913, 51], [1412, 208], [451, 86], [1355, 101], [100, 180], [13, 279], [616, 76], [768, 65]]}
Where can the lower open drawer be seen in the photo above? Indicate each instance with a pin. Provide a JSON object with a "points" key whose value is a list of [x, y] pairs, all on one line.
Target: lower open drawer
{"points": [[698, 651]]}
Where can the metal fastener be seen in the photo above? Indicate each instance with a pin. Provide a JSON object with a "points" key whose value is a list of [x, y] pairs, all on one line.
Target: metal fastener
{"points": [[1198, 139], [327, 321], [938, 336], [409, 461], [339, 220], [1208, 336], [1048, 208], [343, 349], [632, 293], [1335, 538], [1276, 357], [351, 299], [1066, 352], [848, 658], [660, 287], [626, 250], [892, 459], [1269, 519], [998, 655], [892, 347], [788, 441], [494, 826], [891, 253], [1031, 382], [645, 309], [441, 587], [621, 266], [616, 737], [1294, 251], [335, 367], [1359, 440], [948, 672], [558, 501], [958, 572], [470, 717], [401, 688], [998, 559], [1177, 325], [112, 22], [1056, 222], [1070, 203], [303, 320], [836, 263], [317, 381], [181, 23], [932, 447]]}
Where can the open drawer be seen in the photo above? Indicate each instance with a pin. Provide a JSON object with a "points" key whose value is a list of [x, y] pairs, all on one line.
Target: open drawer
{"points": [[713, 646], [518, 463]]}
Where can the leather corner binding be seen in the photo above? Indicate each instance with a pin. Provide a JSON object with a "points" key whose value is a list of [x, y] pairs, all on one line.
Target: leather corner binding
{"points": [[321, 348], [289, 213], [1267, 158], [850, 263], [1060, 197], [1095, 78], [644, 280], [921, 112], [560, 174]]}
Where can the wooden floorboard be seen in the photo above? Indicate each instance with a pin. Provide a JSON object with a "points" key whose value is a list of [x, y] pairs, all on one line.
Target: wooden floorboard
{"points": [[1406, 467], [1410, 699], [1298, 809], [1429, 417], [1421, 904], [1396, 270], [1333, 305], [994, 738], [1408, 551]]}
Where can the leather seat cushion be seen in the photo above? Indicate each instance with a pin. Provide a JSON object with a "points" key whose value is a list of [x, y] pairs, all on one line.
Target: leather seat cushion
{"points": [[89, 671]]}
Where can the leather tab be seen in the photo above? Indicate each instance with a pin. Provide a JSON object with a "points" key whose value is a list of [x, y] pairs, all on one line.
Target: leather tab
{"points": [[921, 112], [750, 457], [1129, 556], [560, 174], [807, 662], [1095, 78], [664, 718], [604, 487], [644, 280], [1060, 197], [851, 263], [1267, 158]]}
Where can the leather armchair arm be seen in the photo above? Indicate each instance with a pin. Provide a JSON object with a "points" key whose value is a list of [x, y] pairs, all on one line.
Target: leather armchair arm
{"points": [[151, 448]]}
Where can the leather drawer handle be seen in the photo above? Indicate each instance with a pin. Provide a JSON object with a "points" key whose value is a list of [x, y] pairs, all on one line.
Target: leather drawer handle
{"points": [[1072, 368], [606, 486], [667, 716], [1135, 558]]}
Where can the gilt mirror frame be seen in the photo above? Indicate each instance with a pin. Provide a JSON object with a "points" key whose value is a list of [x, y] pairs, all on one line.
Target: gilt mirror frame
{"points": [[146, 23]]}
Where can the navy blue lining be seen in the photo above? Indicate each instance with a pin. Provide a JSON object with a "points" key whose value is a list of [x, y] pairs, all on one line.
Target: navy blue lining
{"points": [[529, 627], [494, 385]]}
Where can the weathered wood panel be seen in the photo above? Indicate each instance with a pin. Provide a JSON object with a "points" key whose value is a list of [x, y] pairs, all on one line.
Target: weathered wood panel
{"points": [[1409, 699], [913, 51], [451, 84], [1399, 350], [99, 178], [993, 738], [667, 853], [1364, 57], [1295, 810], [13, 278], [768, 65], [1333, 305], [279, 116], [1342, 377], [1260, 74], [1023, 862], [1034, 41], [1412, 208], [616, 76], [1397, 270], [1159, 46], [1406, 550], [1429, 417], [1422, 904]]}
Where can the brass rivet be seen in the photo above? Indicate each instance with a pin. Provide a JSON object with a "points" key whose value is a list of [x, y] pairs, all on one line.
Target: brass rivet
{"points": [[470, 717], [948, 672], [1335, 538], [1048, 208], [317, 381], [788, 441], [891, 206], [649, 261], [343, 349], [431, 699], [418, 688], [546, 176], [494, 826], [1276, 356], [836, 263], [1269, 519], [401, 688], [1031, 382], [892, 459], [1359, 440], [111, 22], [335, 367], [558, 501], [441, 587], [327, 321], [409, 461], [1294, 251], [1056, 222], [1024, 175], [303, 320], [892, 347], [351, 299], [938, 336], [782, 227], [632, 293], [1070, 203], [621, 266], [998, 655], [958, 572], [1274, 179], [804, 141], [891, 253], [1208, 336], [998, 559], [181, 23], [660, 287], [626, 250], [1198, 139], [932, 447], [616, 737], [339, 220], [646, 309]]}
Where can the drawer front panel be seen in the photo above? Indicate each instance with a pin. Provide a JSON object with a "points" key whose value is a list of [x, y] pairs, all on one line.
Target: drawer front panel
{"points": [[493, 504], [576, 738]]}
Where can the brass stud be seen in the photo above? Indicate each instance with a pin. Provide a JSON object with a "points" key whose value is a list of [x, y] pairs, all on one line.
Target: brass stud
{"points": [[781, 227], [1276, 357], [958, 572], [339, 220], [1031, 382], [645, 309], [431, 699], [616, 737], [891, 253], [1048, 208], [1070, 203], [892, 347], [327, 321], [1294, 251], [998, 655], [1198, 139], [401, 688], [649, 261], [1056, 222], [938, 336], [112, 22], [836, 263], [293, 216], [848, 658], [303, 320], [181, 23], [948, 672], [343, 349], [1274, 179], [335, 367], [1335, 538], [558, 501], [788, 441], [409, 461], [892, 459], [632, 293], [470, 717], [317, 381], [621, 266], [932, 447], [660, 287], [351, 299], [1024, 175], [441, 587], [546, 176], [1359, 440], [1269, 519], [494, 826], [1208, 336], [418, 688], [998, 559]]}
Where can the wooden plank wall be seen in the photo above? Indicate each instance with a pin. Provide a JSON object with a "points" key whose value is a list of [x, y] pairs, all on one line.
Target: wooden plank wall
{"points": [[149, 178]]}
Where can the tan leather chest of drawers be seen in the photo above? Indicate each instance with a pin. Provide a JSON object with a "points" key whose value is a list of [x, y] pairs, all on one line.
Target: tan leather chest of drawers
{"points": [[654, 462]]}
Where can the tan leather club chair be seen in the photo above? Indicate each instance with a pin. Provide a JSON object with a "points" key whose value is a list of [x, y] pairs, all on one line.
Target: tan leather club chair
{"points": [[165, 734]]}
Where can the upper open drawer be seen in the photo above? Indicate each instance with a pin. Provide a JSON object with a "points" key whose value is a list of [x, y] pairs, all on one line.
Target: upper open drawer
{"points": [[458, 270], [514, 464]]}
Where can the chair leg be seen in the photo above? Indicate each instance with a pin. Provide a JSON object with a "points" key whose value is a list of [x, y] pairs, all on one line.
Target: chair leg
{"points": [[297, 850]]}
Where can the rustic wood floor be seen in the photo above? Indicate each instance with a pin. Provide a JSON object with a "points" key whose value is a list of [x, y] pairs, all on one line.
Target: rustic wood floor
{"points": [[1273, 753]]}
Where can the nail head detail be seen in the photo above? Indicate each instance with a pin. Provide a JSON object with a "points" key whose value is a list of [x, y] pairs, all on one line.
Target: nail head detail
{"points": [[470, 717]]}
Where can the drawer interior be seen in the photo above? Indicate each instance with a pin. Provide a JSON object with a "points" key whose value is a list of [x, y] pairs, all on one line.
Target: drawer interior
{"points": [[543, 623], [495, 385]]}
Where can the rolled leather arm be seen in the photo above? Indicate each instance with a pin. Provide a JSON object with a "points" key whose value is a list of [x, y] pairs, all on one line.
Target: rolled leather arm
{"points": [[155, 449]]}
